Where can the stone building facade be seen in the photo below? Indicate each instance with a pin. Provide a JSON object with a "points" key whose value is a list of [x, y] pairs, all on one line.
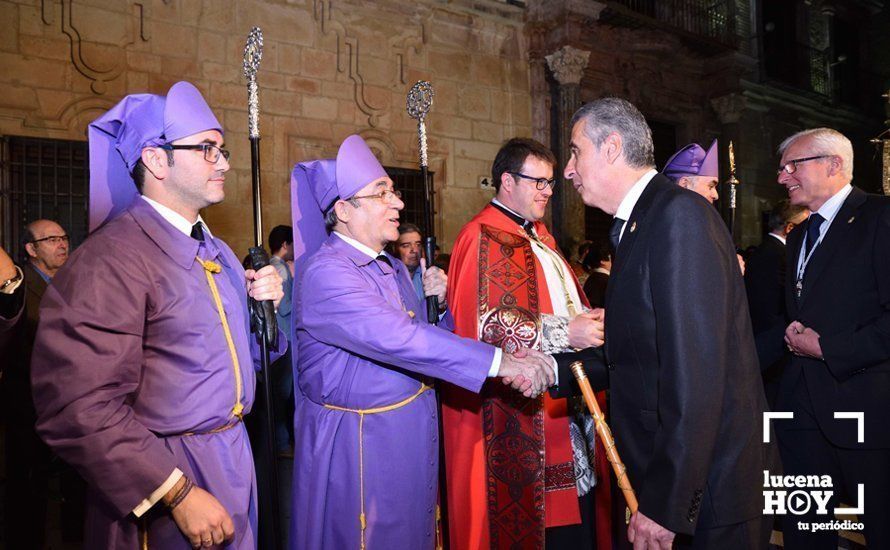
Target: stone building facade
{"points": [[500, 68], [330, 68], [750, 71]]}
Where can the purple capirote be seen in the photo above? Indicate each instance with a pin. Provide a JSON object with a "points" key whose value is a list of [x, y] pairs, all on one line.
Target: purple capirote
{"points": [[118, 137], [692, 160]]}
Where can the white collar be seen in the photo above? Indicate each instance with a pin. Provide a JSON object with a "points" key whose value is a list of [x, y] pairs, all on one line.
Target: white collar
{"points": [[175, 218], [358, 246], [602, 270], [829, 209], [780, 238], [633, 195], [505, 207]]}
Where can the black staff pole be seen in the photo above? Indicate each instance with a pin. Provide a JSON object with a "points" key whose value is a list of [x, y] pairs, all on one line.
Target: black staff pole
{"points": [[263, 321], [420, 99]]}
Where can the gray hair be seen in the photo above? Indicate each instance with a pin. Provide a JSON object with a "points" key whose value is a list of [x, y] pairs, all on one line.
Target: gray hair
{"points": [[614, 115], [330, 217], [826, 141]]}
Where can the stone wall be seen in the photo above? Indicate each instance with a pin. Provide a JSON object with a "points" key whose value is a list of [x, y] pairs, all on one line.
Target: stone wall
{"points": [[330, 69]]}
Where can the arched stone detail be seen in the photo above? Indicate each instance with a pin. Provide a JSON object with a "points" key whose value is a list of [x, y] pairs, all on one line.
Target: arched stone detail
{"points": [[97, 75]]}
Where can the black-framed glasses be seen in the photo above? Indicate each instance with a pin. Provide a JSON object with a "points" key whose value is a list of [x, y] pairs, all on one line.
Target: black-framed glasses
{"points": [[211, 152], [790, 167], [540, 183], [54, 239], [387, 195]]}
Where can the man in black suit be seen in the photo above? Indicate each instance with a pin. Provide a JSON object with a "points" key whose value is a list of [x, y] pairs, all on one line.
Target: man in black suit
{"points": [[599, 262], [28, 459], [686, 396], [838, 293], [765, 285]]}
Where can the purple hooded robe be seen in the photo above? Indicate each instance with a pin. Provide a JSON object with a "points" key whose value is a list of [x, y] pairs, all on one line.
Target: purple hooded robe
{"points": [[132, 358], [362, 342]]}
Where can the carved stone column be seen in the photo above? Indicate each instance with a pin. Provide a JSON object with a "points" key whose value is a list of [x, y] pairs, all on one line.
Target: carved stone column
{"points": [[567, 65]]}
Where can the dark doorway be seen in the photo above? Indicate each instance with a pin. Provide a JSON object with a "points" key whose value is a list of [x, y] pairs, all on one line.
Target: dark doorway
{"points": [[410, 183]]}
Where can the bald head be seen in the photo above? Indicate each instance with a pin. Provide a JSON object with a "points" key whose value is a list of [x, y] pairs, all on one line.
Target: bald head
{"points": [[46, 244]]}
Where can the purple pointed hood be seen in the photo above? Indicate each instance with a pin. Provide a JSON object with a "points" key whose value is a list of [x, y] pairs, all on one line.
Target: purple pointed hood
{"points": [[118, 137], [692, 160]]}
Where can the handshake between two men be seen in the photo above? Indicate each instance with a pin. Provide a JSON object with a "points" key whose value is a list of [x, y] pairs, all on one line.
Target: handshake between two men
{"points": [[532, 372]]}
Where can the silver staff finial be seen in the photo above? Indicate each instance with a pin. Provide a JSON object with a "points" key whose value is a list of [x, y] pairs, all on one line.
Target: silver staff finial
{"points": [[420, 99], [253, 54]]}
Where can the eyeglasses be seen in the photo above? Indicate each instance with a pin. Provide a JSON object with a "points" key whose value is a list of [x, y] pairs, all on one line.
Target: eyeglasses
{"points": [[540, 183], [790, 167], [211, 152], [55, 239], [387, 195]]}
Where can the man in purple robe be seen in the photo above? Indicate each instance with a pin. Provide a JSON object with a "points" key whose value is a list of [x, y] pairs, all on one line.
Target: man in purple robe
{"points": [[366, 451], [146, 361]]}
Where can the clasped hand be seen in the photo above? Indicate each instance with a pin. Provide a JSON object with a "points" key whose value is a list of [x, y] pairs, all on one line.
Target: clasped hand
{"points": [[527, 371], [803, 341], [264, 284], [587, 330], [435, 281]]}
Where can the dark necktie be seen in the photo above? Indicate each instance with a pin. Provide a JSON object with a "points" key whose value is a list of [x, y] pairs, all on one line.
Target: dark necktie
{"points": [[197, 232], [615, 232], [813, 225]]}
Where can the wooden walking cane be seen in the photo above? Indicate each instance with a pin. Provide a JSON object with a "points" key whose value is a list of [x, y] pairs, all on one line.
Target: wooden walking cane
{"points": [[606, 435]]}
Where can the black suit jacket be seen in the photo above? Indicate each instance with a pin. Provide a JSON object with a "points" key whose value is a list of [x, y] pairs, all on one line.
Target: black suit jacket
{"points": [[595, 288], [765, 284], [15, 388], [686, 397], [846, 299]]}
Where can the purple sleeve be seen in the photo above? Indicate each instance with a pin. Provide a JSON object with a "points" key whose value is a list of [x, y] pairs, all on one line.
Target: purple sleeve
{"points": [[85, 371], [340, 309]]}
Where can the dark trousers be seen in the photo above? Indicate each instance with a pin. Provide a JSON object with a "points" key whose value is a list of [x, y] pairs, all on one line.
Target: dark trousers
{"points": [[27, 476], [582, 535], [806, 451], [750, 535]]}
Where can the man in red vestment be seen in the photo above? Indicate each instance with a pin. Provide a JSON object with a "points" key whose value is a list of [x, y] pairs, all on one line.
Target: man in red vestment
{"points": [[521, 472]]}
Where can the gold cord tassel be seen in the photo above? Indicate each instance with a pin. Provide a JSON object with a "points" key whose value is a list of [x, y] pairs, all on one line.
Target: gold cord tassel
{"points": [[211, 268]]}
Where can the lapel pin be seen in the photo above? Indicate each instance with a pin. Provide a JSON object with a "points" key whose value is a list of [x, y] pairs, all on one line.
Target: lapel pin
{"points": [[851, 219], [411, 314], [633, 227]]}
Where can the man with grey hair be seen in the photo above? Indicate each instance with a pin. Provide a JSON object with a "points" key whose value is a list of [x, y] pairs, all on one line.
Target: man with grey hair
{"points": [[686, 396], [838, 293]]}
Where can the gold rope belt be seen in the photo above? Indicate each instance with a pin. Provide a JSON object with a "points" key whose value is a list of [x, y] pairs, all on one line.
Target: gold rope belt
{"points": [[210, 268], [361, 454]]}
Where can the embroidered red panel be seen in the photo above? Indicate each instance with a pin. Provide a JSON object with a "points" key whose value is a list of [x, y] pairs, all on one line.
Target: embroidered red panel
{"points": [[513, 426]]}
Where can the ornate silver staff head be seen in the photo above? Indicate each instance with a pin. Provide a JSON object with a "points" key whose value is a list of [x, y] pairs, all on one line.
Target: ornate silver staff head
{"points": [[253, 54], [732, 181], [420, 100]]}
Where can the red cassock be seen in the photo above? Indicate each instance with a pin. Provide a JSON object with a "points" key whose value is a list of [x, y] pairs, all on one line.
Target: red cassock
{"points": [[508, 459]]}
